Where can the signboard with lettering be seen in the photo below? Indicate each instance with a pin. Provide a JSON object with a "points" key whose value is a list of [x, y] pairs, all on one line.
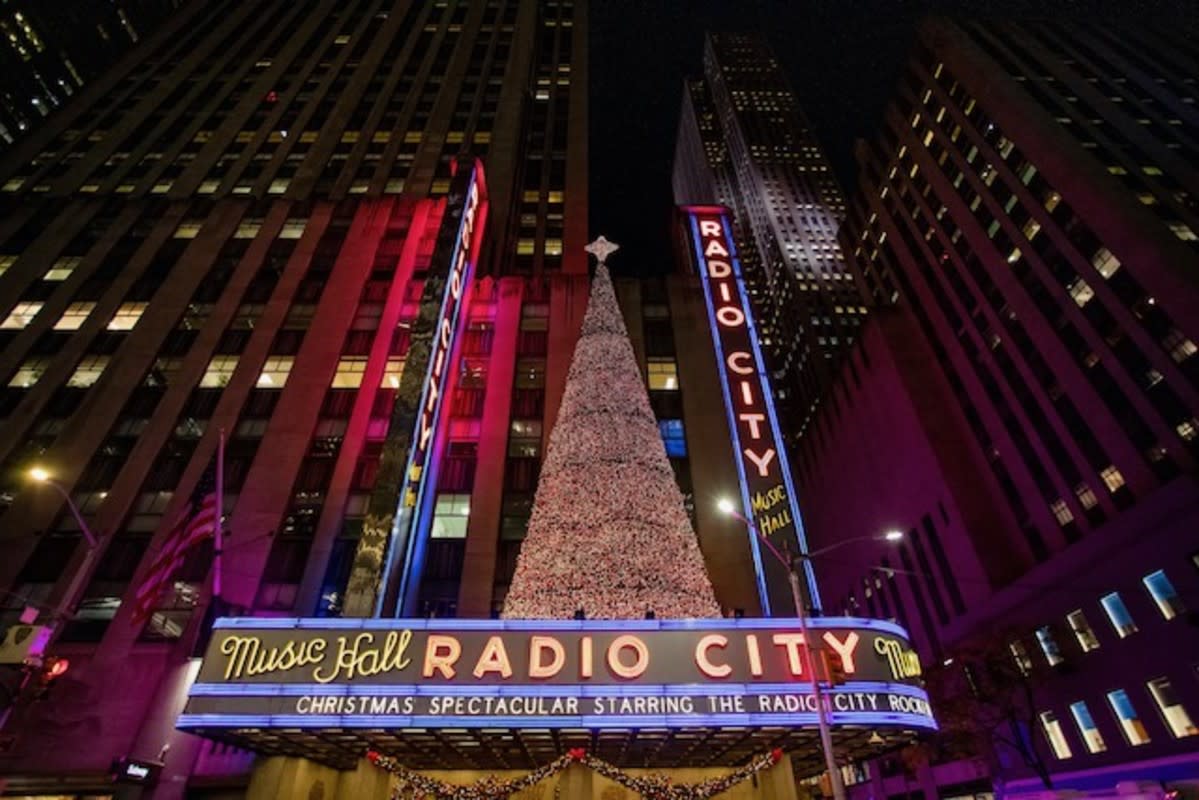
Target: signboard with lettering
{"points": [[291, 673], [418, 419], [767, 494]]}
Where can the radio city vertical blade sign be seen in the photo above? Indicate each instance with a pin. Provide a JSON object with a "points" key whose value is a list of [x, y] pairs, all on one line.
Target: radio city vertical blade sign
{"points": [[433, 352], [767, 494]]}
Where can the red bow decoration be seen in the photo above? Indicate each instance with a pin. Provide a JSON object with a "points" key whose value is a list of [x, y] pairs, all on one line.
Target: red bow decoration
{"points": [[372, 756], [576, 753], [776, 755]]}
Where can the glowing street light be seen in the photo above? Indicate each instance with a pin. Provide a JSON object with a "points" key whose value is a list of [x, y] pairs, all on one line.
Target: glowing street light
{"points": [[42, 476], [791, 562]]}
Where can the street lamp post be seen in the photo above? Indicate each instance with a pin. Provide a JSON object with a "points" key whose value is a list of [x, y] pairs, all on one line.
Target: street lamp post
{"points": [[69, 597], [791, 561]]}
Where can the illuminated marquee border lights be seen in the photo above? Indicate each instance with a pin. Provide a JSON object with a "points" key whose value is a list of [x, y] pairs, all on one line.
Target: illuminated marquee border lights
{"points": [[216, 702]]}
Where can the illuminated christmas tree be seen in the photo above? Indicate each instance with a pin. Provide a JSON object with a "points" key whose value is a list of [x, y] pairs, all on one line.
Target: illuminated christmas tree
{"points": [[609, 535]]}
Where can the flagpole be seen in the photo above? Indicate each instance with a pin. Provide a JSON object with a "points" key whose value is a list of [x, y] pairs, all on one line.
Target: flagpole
{"points": [[218, 536]]}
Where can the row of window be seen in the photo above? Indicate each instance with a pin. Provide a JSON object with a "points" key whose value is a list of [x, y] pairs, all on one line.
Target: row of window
{"points": [[1160, 590], [1175, 716]]}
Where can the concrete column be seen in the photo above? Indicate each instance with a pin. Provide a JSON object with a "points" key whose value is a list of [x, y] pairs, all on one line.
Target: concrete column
{"points": [[366, 782], [284, 778], [778, 782], [576, 783]]}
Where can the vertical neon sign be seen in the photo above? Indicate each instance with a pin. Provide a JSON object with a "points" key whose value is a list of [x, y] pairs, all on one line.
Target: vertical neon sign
{"points": [[414, 510], [767, 493]]}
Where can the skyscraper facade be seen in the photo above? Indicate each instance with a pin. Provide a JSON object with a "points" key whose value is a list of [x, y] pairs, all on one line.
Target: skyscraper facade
{"points": [[49, 53], [1026, 408], [234, 232], [743, 142]]}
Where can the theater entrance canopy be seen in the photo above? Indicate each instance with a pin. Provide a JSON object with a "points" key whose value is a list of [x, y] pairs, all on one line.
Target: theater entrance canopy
{"points": [[492, 694]]}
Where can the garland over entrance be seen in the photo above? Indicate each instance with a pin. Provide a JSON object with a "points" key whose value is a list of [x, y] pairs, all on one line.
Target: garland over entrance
{"points": [[415, 786]]}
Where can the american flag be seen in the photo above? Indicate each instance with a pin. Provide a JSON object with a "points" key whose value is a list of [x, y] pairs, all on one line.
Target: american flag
{"points": [[197, 521]]}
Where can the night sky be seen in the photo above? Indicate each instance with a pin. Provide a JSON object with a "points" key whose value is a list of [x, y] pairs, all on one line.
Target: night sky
{"points": [[843, 58]]}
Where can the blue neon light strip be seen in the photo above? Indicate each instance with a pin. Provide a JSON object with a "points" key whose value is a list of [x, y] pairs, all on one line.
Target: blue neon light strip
{"points": [[755, 547], [807, 719], [585, 691], [744, 624], [772, 415], [404, 516]]}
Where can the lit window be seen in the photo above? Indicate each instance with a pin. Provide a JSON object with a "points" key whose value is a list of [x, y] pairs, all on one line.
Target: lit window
{"points": [[73, 318], [1087, 639], [393, 372], [525, 247], [1171, 708], [1105, 262], [1112, 478], [1152, 170], [1134, 731], [28, 373], [293, 228], [524, 440], [1183, 232], [663, 374], [556, 197], [349, 372], [1082, 292], [450, 516], [1162, 592], [188, 229], [21, 315], [1061, 512], [88, 372], [127, 316], [1089, 731], [1053, 732], [62, 268], [248, 229], [673, 437], [1117, 612], [553, 247], [1053, 653], [275, 371], [6, 261], [1052, 200], [278, 186], [208, 187], [220, 370], [1086, 496], [1178, 345], [440, 186]]}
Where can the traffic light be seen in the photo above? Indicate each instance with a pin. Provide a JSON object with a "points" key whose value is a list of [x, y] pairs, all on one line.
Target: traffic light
{"points": [[834, 667]]}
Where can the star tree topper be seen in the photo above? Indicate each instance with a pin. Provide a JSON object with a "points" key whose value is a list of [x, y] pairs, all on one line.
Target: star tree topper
{"points": [[601, 248]]}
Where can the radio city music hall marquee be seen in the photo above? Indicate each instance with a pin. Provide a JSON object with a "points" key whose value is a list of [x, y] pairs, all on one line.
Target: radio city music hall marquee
{"points": [[372, 673], [766, 490]]}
